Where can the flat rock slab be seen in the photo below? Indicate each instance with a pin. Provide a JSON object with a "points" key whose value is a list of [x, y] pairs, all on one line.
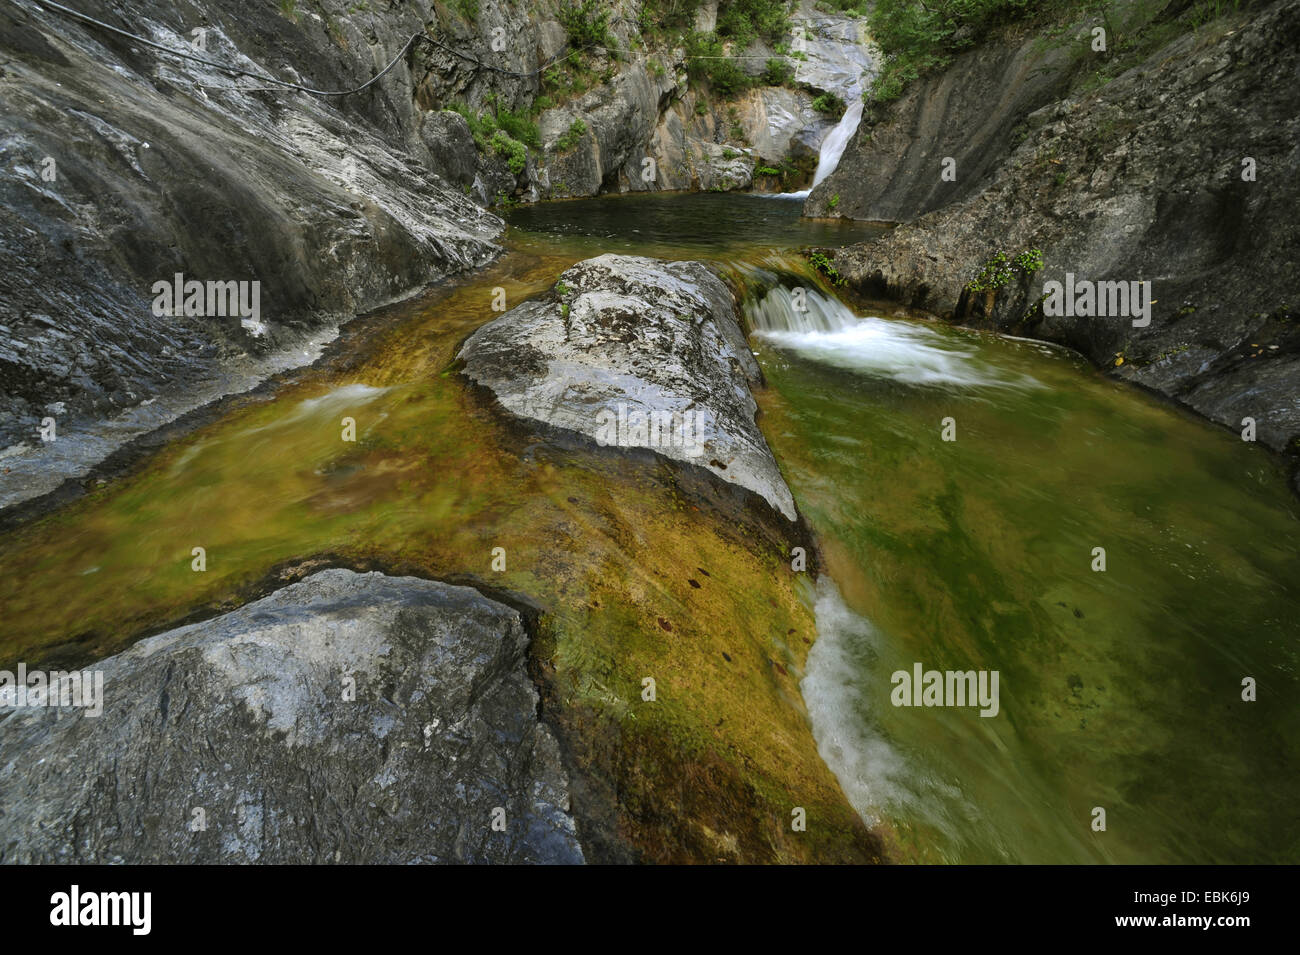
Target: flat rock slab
{"points": [[625, 340], [245, 717]]}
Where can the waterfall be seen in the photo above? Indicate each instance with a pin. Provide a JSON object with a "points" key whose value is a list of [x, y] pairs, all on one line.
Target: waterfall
{"points": [[833, 147], [779, 311], [823, 329]]}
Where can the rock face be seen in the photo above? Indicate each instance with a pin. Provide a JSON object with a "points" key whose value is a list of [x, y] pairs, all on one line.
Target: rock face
{"points": [[244, 717], [891, 169], [124, 166], [650, 110], [838, 54], [1140, 179], [624, 341]]}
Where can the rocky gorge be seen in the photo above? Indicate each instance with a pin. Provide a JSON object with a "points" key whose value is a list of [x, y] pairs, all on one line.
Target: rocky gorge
{"points": [[1169, 158], [535, 561]]}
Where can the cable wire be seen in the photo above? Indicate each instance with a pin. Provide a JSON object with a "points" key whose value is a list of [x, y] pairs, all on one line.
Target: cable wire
{"points": [[265, 78]]}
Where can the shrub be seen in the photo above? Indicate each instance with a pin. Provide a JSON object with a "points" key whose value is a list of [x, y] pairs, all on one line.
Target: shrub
{"points": [[515, 152], [778, 73], [830, 104], [577, 129], [746, 20], [1002, 268], [587, 23], [710, 63], [822, 264]]}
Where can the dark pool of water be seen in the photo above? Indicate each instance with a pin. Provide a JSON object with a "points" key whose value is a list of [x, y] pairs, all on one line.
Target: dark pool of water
{"points": [[713, 223]]}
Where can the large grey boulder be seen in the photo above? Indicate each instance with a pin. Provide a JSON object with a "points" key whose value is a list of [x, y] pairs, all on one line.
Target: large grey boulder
{"points": [[623, 339], [244, 717]]}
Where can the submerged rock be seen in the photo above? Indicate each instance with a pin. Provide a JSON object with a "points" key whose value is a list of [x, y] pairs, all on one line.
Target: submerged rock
{"points": [[625, 342], [234, 740]]}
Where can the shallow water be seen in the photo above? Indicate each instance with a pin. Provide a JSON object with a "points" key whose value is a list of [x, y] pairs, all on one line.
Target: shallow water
{"points": [[1118, 689]]}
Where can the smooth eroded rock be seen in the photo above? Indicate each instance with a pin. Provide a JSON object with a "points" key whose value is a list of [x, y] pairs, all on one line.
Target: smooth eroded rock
{"points": [[244, 717], [625, 336]]}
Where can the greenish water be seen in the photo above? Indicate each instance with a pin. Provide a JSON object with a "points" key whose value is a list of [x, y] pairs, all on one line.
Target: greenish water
{"points": [[1119, 689], [686, 225]]}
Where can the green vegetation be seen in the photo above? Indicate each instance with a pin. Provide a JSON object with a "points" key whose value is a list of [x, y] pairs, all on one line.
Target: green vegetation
{"points": [[854, 8], [514, 152], [502, 131], [820, 263], [830, 104], [744, 21], [517, 125], [577, 129], [920, 36], [587, 24], [710, 56], [1002, 268], [468, 9], [708, 62], [791, 171], [833, 201], [777, 73], [1030, 260]]}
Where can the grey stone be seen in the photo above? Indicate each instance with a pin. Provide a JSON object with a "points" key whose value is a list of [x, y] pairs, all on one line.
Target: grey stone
{"points": [[1131, 181], [662, 338], [244, 717]]}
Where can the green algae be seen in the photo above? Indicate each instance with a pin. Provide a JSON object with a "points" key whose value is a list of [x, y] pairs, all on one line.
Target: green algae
{"points": [[640, 569], [1119, 689]]}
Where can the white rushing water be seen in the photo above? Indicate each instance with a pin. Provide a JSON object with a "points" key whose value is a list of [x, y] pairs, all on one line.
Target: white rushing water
{"points": [[826, 330], [833, 147], [844, 686]]}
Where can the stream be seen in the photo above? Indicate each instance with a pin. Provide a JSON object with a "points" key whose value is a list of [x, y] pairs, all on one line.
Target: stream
{"points": [[1119, 689]]}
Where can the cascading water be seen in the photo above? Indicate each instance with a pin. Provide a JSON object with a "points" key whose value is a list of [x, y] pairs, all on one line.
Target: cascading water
{"points": [[833, 147], [824, 329]]}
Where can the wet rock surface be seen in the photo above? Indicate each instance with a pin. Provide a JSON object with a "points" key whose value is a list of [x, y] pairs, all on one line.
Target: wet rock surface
{"points": [[243, 716], [1140, 179], [625, 336], [125, 167]]}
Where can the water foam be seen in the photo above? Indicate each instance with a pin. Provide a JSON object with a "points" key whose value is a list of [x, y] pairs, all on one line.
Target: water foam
{"points": [[825, 330], [879, 780]]}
